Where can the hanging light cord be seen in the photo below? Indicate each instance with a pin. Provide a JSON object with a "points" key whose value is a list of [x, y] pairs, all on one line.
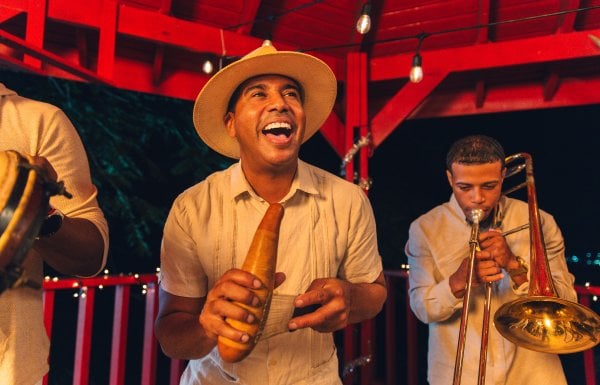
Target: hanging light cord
{"points": [[459, 29], [422, 36]]}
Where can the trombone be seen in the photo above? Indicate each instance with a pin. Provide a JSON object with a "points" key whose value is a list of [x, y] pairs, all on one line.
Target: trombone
{"points": [[541, 321]]}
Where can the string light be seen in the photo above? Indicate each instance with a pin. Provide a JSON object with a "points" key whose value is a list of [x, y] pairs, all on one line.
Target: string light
{"points": [[363, 25], [416, 71], [453, 30], [207, 67], [416, 74]]}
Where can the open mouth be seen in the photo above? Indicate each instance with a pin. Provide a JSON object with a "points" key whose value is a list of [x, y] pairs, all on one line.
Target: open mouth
{"points": [[277, 129]]}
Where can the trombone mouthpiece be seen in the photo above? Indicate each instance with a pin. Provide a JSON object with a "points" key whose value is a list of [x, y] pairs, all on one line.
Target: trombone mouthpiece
{"points": [[476, 215]]}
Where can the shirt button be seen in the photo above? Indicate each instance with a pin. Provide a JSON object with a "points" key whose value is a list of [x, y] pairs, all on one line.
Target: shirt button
{"points": [[272, 362]]}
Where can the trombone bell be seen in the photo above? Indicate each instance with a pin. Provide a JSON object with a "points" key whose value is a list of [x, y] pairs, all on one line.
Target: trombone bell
{"points": [[548, 324], [542, 321]]}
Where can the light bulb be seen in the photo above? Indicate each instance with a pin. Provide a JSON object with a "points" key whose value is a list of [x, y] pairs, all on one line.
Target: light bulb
{"points": [[416, 72], [207, 67], [595, 39], [363, 25]]}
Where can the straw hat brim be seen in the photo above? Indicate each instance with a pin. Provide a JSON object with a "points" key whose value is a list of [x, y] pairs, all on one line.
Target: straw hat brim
{"points": [[314, 76]]}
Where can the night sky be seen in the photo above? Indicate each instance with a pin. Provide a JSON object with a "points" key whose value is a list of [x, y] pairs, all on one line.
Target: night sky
{"points": [[408, 171]]}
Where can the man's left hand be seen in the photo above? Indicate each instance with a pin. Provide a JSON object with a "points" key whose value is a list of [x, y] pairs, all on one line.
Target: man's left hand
{"points": [[333, 299]]}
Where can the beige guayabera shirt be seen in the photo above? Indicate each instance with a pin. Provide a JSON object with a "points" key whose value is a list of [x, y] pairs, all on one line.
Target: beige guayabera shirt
{"points": [[37, 128], [328, 230], [438, 242]]}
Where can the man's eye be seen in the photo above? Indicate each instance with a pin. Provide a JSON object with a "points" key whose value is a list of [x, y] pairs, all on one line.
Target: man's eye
{"points": [[293, 94]]}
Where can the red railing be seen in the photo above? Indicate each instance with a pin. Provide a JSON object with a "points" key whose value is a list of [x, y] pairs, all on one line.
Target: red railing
{"points": [[85, 291], [414, 371], [393, 356]]}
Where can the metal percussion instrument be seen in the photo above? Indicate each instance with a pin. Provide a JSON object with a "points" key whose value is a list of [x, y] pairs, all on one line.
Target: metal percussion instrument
{"points": [[24, 203]]}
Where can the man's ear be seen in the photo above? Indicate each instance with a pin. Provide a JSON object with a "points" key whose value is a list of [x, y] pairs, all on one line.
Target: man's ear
{"points": [[449, 176], [229, 123]]}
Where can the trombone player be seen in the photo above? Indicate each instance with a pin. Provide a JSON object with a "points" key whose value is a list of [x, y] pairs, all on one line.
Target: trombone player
{"points": [[438, 255]]}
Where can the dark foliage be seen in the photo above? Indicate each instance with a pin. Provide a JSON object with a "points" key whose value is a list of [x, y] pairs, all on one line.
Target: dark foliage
{"points": [[143, 151]]}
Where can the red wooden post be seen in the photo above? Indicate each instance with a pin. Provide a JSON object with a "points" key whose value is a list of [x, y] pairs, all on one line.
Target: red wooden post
{"points": [[83, 342], [119, 335], [177, 367], [36, 26], [356, 123], [109, 14], [149, 353]]}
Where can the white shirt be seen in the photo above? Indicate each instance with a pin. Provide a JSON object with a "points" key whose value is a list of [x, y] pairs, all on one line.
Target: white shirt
{"points": [[328, 230], [438, 242], [36, 128]]}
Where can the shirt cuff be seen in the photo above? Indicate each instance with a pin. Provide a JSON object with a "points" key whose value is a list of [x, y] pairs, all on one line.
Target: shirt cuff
{"points": [[446, 295], [521, 290]]}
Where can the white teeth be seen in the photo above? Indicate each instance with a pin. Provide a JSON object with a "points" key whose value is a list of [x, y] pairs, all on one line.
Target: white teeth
{"points": [[271, 126]]}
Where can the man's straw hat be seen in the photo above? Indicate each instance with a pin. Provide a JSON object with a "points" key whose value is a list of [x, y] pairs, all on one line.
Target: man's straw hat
{"points": [[318, 83]]}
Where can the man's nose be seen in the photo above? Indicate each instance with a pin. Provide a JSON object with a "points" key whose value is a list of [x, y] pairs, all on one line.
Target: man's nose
{"points": [[278, 103], [477, 196]]}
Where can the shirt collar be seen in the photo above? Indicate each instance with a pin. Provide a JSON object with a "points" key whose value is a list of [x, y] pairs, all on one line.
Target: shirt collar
{"points": [[303, 181]]}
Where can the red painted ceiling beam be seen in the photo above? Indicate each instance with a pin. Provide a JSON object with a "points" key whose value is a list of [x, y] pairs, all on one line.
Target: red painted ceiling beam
{"points": [[248, 15], [437, 64], [36, 25], [8, 13], [511, 97], [566, 46], [113, 19], [401, 105], [412, 101], [195, 37], [49, 57], [18, 65]]}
